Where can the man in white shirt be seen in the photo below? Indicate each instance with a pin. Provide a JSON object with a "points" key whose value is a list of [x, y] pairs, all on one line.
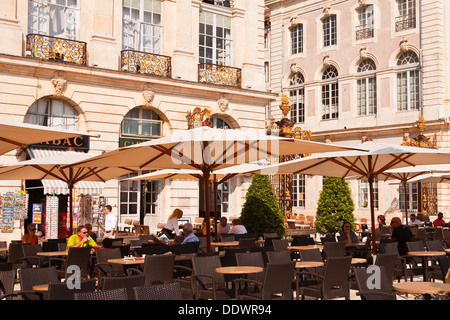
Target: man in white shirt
{"points": [[223, 227], [237, 228], [413, 221], [110, 222]]}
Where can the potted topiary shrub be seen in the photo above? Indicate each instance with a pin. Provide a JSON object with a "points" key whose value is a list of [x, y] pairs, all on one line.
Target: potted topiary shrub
{"points": [[261, 212], [334, 207]]}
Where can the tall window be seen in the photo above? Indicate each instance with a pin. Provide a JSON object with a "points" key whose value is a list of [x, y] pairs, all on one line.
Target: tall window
{"points": [[297, 39], [54, 113], [411, 195], [142, 28], [330, 94], [408, 82], [406, 15], [142, 122], [329, 25], [138, 197], [366, 88], [298, 190], [363, 194], [297, 94], [365, 27], [54, 18], [215, 38]]}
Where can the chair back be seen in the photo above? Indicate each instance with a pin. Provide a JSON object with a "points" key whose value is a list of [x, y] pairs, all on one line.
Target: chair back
{"points": [[15, 255], [190, 247], [270, 235], [62, 246], [444, 265], [178, 239], [227, 238], [105, 268], [207, 265], [388, 261], [380, 291], [263, 251], [311, 255], [327, 239], [280, 244], [335, 283], [30, 255], [116, 242], [229, 258], [30, 277], [254, 259], [334, 249], [278, 280], [279, 256], [79, 257], [434, 245], [115, 294], [6, 266], [415, 246], [302, 241], [7, 280], [127, 282], [438, 234], [167, 291], [159, 269], [388, 248], [247, 243], [60, 290]]}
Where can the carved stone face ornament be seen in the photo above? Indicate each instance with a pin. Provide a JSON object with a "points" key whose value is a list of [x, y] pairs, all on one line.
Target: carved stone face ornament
{"points": [[59, 83], [223, 103]]}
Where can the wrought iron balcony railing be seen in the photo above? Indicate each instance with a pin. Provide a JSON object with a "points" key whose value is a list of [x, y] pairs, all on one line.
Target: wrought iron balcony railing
{"points": [[56, 49], [364, 32], [221, 75], [405, 22], [146, 63]]}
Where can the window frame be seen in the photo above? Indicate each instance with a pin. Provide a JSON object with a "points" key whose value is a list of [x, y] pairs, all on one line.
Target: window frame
{"points": [[51, 116], [366, 77], [364, 194], [329, 86], [142, 121], [408, 83], [297, 38], [330, 38]]}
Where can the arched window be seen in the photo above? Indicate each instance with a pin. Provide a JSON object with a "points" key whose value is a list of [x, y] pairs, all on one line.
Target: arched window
{"points": [[142, 122], [408, 82], [330, 94], [297, 95], [220, 123], [366, 88], [54, 113]]}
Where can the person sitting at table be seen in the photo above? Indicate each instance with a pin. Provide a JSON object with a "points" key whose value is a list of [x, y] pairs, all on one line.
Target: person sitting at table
{"points": [[31, 236], [401, 234], [237, 227], [439, 222], [223, 227], [381, 222], [172, 224], [347, 234], [91, 233], [81, 239], [188, 232], [413, 221]]}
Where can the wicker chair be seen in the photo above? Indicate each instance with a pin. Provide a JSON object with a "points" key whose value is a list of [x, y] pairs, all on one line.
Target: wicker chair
{"points": [[280, 244], [334, 249], [385, 291], [30, 256], [76, 256], [127, 282], [251, 259], [279, 256], [334, 282], [277, 284], [60, 291], [106, 269], [157, 269], [15, 255], [34, 276], [167, 291], [7, 281], [115, 294]]}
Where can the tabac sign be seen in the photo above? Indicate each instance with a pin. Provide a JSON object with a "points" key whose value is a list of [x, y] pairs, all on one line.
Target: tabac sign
{"points": [[80, 143]]}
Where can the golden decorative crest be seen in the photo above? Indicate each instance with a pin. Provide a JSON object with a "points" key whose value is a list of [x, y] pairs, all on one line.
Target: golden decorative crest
{"points": [[285, 105], [421, 140], [196, 117]]}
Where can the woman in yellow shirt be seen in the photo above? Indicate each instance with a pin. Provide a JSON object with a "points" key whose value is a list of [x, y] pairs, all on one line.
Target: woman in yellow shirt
{"points": [[81, 239]]}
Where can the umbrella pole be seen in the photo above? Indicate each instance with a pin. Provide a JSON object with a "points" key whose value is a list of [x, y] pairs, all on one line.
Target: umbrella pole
{"points": [[215, 208], [406, 202], [71, 208], [372, 215], [206, 176]]}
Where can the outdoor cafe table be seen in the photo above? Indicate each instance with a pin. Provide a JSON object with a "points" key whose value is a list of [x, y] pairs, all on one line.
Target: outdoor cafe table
{"points": [[3, 249], [225, 244], [426, 288], [241, 270], [308, 264], [52, 253], [309, 247], [424, 255]]}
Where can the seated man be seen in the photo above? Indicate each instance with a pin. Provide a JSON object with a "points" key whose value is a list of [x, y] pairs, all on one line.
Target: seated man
{"points": [[237, 227], [401, 234], [413, 222], [189, 236], [439, 222], [223, 227], [81, 239]]}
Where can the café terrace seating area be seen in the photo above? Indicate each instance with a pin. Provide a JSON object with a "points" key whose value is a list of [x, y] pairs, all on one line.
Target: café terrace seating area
{"points": [[241, 267]]}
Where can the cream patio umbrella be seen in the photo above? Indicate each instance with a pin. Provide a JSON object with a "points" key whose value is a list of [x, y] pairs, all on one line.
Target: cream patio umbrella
{"points": [[14, 135], [52, 167], [362, 165], [207, 149], [431, 173], [222, 175]]}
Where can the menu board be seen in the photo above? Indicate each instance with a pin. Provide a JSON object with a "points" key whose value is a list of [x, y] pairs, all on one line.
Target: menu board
{"points": [[14, 206]]}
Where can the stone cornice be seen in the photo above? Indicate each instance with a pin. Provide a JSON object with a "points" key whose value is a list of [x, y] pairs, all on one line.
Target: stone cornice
{"points": [[122, 80]]}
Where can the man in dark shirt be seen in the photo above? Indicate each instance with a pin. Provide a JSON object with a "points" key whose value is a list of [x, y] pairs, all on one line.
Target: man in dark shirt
{"points": [[401, 234]]}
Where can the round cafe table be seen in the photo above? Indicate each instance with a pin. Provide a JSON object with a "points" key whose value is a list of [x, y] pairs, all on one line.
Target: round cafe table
{"points": [[309, 247], [225, 244], [239, 270], [425, 288], [425, 255], [308, 264]]}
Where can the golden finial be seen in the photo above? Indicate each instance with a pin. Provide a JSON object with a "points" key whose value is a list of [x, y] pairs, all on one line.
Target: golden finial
{"points": [[285, 105]]}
